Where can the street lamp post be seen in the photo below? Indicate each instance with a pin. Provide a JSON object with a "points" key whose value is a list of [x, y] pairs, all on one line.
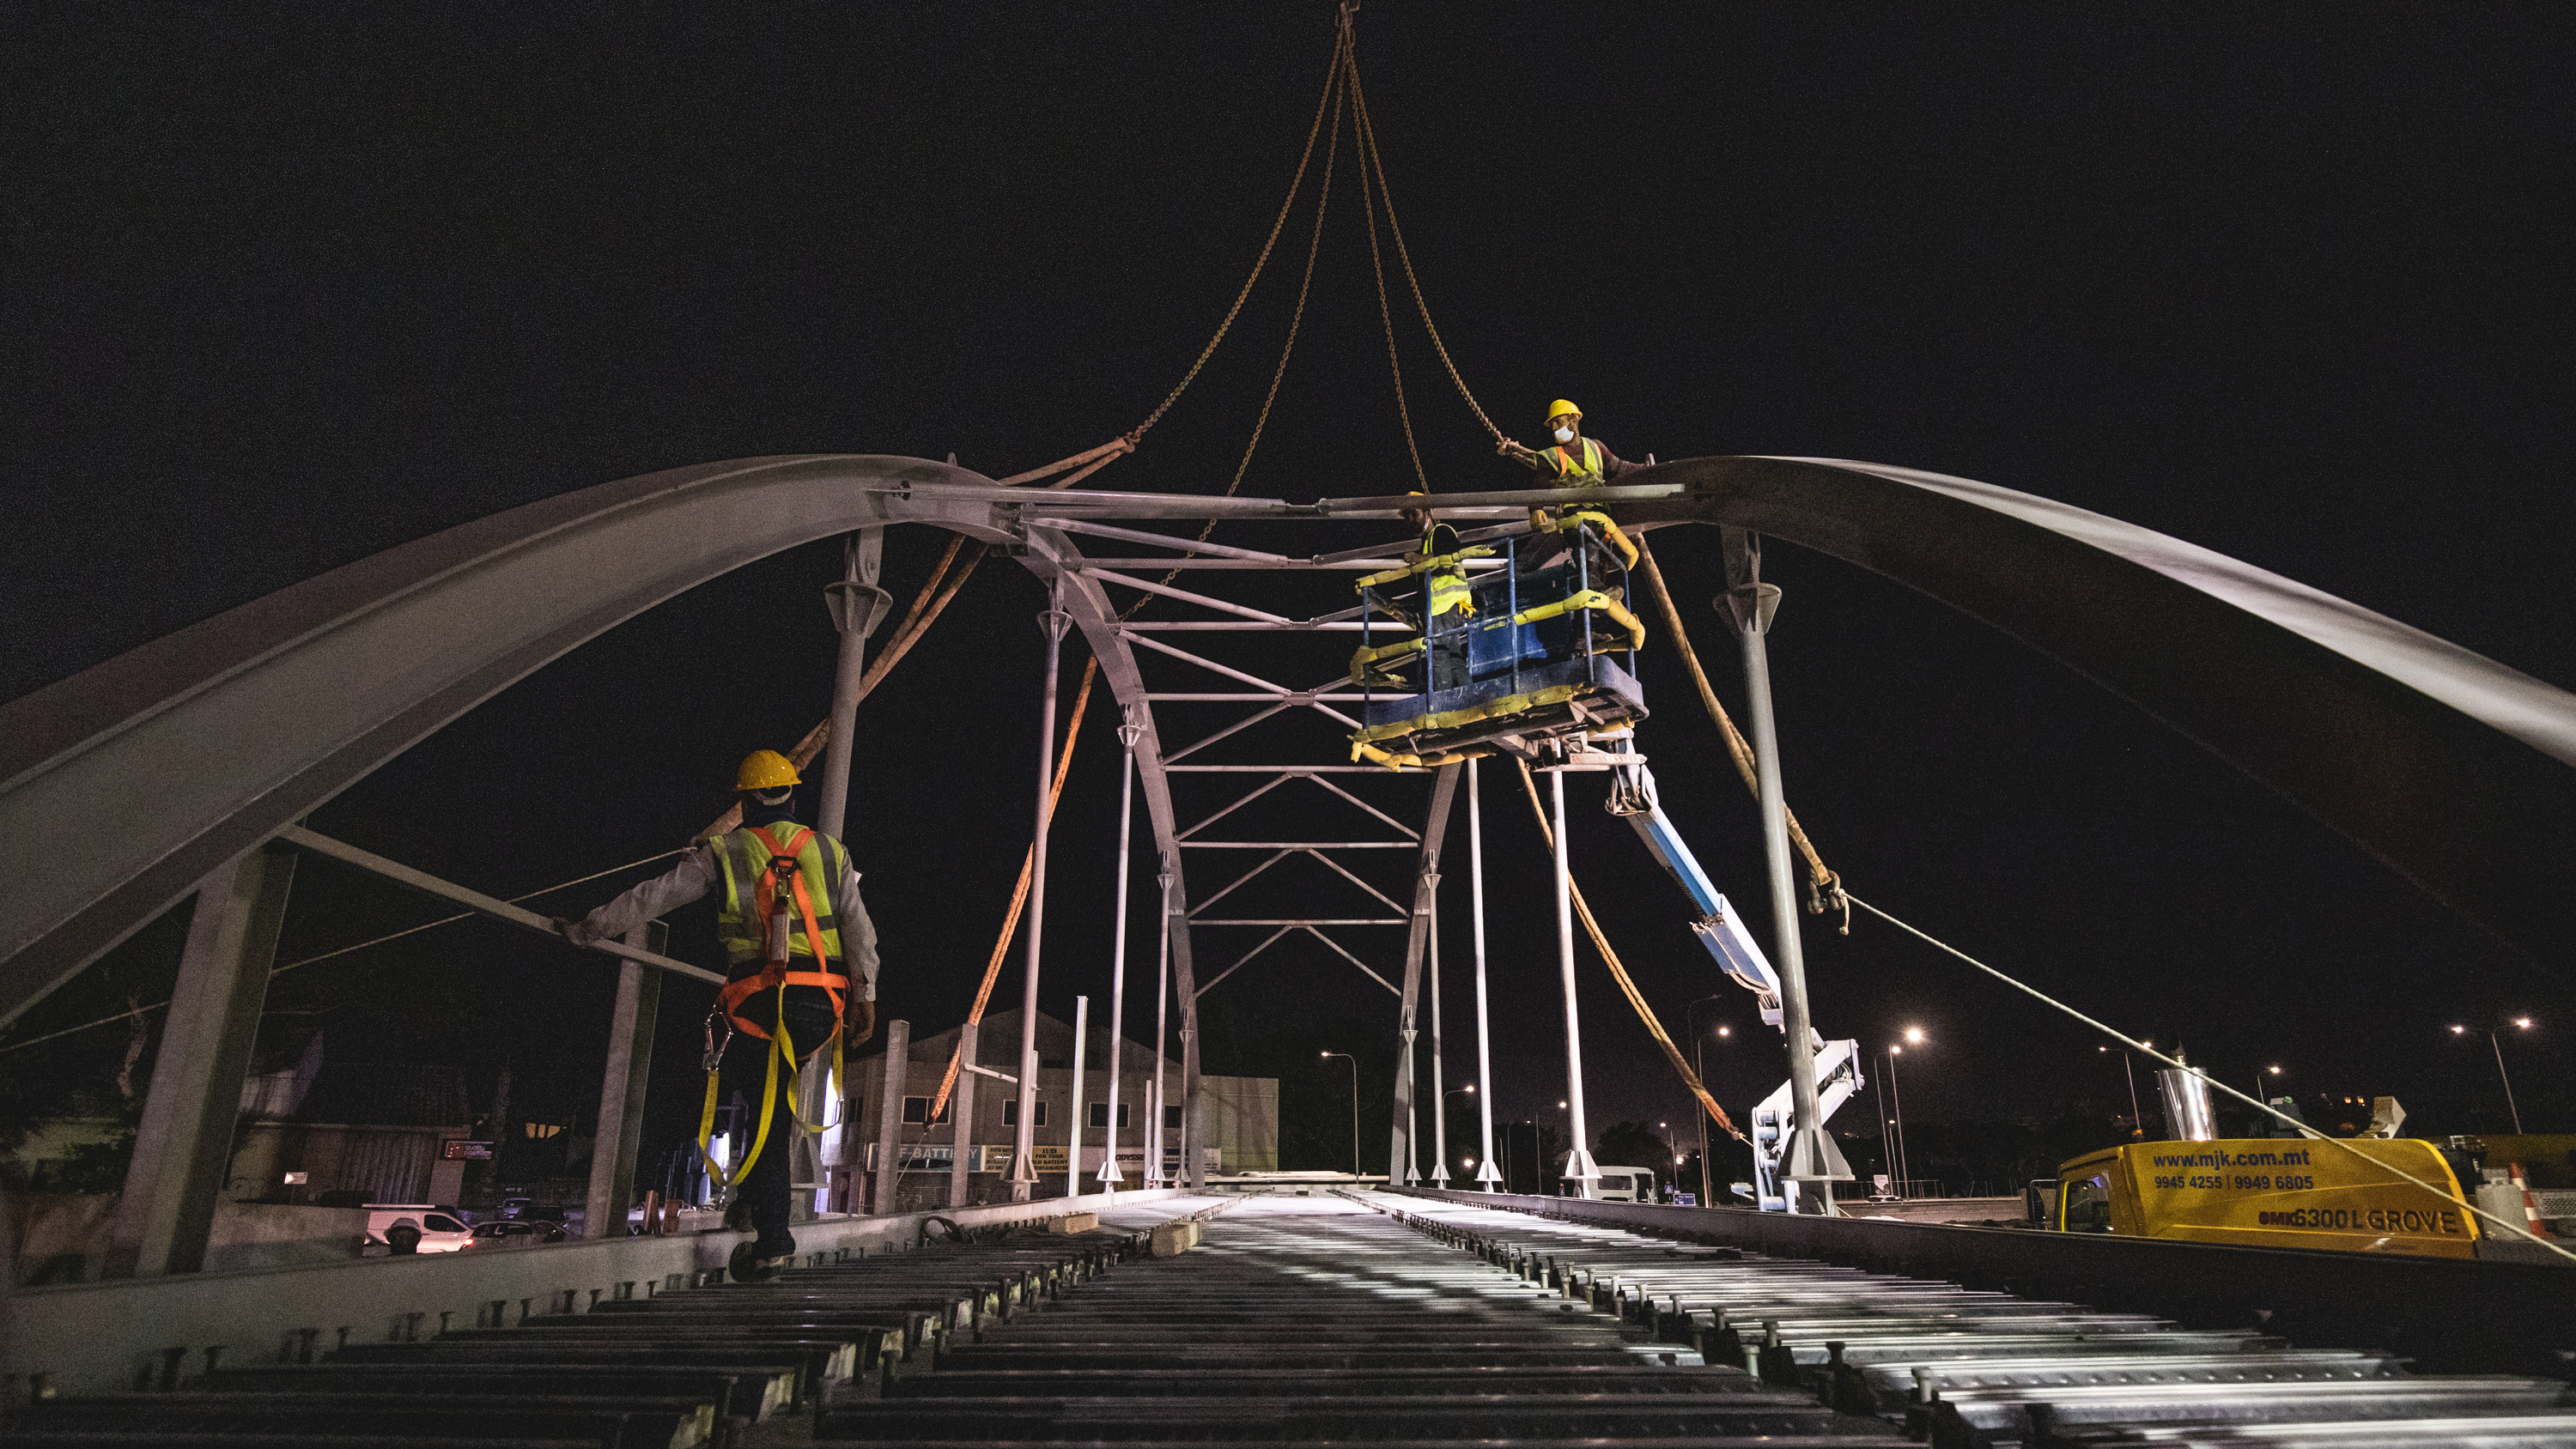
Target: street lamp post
{"points": [[1699, 1064], [1355, 1108], [2521, 1023], [1904, 1163]]}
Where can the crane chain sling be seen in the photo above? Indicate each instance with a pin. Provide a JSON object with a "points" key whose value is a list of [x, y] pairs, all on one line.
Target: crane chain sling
{"points": [[784, 905]]}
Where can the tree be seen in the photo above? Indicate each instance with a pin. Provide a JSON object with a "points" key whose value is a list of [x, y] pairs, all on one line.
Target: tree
{"points": [[1634, 1144]]}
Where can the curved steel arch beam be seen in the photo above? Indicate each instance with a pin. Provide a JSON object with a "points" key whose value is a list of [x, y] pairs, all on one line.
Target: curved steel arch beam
{"points": [[1053, 557], [186, 752], [178, 756], [2449, 767]]}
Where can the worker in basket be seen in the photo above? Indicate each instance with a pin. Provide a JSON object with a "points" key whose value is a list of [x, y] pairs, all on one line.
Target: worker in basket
{"points": [[801, 963], [1445, 592], [1571, 460]]}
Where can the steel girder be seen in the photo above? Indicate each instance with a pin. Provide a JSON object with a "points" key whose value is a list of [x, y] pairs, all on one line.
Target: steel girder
{"points": [[180, 755], [176, 757], [2455, 771]]}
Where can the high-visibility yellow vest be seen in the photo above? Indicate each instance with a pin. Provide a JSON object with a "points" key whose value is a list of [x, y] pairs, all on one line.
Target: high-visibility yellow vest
{"points": [[743, 855], [1445, 589], [1571, 475]]}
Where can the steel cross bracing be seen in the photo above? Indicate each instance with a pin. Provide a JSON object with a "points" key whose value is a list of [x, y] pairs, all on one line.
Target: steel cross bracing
{"points": [[1251, 747]]}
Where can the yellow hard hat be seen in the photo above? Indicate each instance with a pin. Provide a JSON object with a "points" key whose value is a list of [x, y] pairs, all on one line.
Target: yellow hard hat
{"points": [[1560, 408], [765, 770]]}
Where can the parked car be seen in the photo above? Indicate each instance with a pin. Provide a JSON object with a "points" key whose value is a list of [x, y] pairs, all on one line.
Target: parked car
{"points": [[516, 1233], [428, 1226], [514, 1208]]}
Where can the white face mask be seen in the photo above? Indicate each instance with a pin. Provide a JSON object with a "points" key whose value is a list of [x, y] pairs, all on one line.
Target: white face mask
{"points": [[1565, 435]]}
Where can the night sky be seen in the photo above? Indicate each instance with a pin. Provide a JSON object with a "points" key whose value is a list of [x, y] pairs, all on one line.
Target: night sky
{"points": [[286, 290]]}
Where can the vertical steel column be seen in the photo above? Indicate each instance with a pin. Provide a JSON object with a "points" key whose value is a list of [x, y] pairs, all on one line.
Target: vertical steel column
{"points": [[961, 1108], [1401, 1166], [1485, 1173], [1128, 734], [1185, 993], [1162, 1041], [1024, 1176], [183, 1147], [1073, 1119], [898, 1050], [1193, 1131], [621, 1089], [857, 606], [1439, 1082], [1579, 1168], [1399, 1157], [1812, 1156]]}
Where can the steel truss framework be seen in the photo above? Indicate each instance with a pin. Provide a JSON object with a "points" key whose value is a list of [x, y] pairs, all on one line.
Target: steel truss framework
{"points": [[131, 785]]}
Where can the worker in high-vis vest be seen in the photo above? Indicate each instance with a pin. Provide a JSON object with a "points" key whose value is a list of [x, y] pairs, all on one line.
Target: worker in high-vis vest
{"points": [[1570, 460], [1447, 603], [801, 968]]}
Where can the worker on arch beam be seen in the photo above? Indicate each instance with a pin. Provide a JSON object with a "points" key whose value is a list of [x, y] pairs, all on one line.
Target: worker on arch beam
{"points": [[1571, 460], [786, 897]]}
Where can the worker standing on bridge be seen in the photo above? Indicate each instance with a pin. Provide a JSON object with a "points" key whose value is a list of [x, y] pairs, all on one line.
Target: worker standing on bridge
{"points": [[801, 958], [1572, 460]]}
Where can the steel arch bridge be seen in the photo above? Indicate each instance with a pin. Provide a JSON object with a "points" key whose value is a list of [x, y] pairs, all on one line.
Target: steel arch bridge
{"points": [[185, 758]]}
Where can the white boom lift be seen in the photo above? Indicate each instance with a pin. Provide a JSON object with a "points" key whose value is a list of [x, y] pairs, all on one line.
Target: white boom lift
{"points": [[1838, 1075]]}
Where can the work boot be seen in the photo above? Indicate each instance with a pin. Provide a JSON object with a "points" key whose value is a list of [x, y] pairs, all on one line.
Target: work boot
{"points": [[751, 1263]]}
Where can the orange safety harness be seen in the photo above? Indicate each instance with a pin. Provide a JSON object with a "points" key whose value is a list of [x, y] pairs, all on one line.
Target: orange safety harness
{"points": [[1564, 461], [780, 885], [773, 972]]}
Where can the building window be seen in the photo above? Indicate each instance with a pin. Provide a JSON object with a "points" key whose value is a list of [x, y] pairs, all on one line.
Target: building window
{"points": [[1011, 1112], [1171, 1119], [916, 1111], [1100, 1114]]}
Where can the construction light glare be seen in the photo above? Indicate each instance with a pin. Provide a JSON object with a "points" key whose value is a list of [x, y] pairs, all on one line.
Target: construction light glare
{"points": [[1914, 1036]]}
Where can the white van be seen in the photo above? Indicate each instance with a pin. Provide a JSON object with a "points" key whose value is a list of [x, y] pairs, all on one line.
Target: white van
{"points": [[441, 1231], [1625, 1184]]}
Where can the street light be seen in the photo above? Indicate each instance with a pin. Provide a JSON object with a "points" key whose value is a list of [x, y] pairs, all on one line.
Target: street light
{"points": [[1904, 1164], [2521, 1023], [1699, 1064], [1355, 1107]]}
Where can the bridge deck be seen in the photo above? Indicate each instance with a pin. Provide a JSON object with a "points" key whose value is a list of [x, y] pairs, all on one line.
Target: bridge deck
{"points": [[1352, 1319]]}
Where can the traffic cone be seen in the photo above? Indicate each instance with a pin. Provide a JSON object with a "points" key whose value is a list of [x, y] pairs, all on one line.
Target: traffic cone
{"points": [[2538, 1225]]}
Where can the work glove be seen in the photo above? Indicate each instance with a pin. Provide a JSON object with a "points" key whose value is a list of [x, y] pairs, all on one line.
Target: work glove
{"points": [[862, 1022], [580, 932]]}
